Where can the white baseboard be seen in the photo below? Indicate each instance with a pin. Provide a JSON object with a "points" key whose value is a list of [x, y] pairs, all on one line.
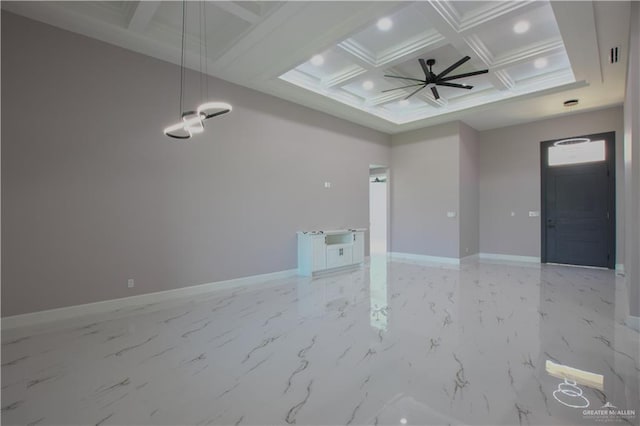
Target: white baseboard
{"points": [[633, 322], [424, 258], [509, 257], [105, 306]]}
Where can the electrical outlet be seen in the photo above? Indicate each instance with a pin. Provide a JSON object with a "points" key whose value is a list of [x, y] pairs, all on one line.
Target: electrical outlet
{"points": [[131, 283]]}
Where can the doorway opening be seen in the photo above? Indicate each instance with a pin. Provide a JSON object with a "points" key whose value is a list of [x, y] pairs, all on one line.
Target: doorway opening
{"points": [[578, 200], [378, 209]]}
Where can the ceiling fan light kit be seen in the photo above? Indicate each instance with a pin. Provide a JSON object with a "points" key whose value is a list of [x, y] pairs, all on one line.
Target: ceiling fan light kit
{"points": [[431, 80], [192, 122]]}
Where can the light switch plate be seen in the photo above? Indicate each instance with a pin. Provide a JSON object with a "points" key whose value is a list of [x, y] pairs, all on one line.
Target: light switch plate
{"points": [[534, 213], [451, 214]]}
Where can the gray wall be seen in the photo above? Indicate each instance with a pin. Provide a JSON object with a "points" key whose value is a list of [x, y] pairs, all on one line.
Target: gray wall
{"points": [[469, 191], [510, 179], [93, 193], [0, 169], [632, 164], [424, 186]]}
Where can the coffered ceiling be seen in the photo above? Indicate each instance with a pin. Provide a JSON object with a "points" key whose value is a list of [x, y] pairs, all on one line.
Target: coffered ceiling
{"points": [[528, 59], [538, 53]]}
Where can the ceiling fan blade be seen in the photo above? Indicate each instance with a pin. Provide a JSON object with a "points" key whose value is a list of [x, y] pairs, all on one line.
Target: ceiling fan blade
{"points": [[425, 69], [459, 86], [405, 78], [468, 74], [416, 91], [453, 67], [403, 87], [435, 92]]}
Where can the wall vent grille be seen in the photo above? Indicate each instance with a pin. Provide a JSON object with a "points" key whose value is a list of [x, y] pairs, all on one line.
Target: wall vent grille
{"points": [[613, 55]]}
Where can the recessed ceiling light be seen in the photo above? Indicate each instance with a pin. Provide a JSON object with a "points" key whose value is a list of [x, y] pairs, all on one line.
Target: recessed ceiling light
{"points": [[521, 27], [570, 102], [317, 60], [384, 24], [404, 102], [540, 63], [367, 85]]}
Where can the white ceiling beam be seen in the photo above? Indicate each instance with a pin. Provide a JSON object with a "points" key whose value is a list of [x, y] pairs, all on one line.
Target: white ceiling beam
{"points": [[486, 15], [237, 10], [343, 78], [470, 45], [358, 53], [577, 26], [501, 80], [317, 26], [384, 98], [426, 95], [544, 48], [447, 28], [142, 15], [482, 16]]}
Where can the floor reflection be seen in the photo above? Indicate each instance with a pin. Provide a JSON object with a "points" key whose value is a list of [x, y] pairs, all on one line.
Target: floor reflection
{"points": [[378, 291]]}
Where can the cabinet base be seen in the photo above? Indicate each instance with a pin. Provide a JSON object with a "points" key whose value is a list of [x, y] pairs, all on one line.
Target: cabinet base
{"points": [[330, 271]]}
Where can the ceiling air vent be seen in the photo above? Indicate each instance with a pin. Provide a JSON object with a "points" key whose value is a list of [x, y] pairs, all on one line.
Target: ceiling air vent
{"points": [[613, 55]]}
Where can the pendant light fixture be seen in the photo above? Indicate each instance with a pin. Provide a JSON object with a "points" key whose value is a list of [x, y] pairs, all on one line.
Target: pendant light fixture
{"points": [[192, 121]]}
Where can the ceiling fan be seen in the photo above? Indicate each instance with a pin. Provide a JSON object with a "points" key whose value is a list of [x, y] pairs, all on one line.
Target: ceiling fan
{"points": [[432, 80]]}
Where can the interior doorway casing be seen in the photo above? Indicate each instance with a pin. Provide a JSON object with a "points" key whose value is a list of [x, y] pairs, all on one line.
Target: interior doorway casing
{"points": [[610, 201]]}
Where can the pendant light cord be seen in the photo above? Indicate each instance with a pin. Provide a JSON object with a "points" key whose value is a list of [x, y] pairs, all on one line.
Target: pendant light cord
{"points": [[206, 51], [200, 40], [184, 12]]}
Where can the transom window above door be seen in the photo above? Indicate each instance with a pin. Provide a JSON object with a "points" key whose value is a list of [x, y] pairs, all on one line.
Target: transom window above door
{"points": [[576, 153]]}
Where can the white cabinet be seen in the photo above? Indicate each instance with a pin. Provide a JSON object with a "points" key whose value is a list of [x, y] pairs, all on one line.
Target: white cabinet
{"points": [[319, 253], [339, 255], [324, 250]]}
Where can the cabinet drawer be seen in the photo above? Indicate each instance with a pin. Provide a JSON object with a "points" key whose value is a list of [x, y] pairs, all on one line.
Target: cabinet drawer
{"points": [[339, 255]]}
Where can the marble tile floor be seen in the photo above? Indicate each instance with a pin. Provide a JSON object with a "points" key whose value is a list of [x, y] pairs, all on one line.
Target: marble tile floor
{"points": [[392, 343]]}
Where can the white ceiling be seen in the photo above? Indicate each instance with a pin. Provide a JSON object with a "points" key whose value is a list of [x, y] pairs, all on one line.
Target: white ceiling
{"points": [[267, 46], [445, 32]]}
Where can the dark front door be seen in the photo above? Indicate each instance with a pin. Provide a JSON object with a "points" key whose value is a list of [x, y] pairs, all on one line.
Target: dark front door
{"points": [[578, 201]]}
